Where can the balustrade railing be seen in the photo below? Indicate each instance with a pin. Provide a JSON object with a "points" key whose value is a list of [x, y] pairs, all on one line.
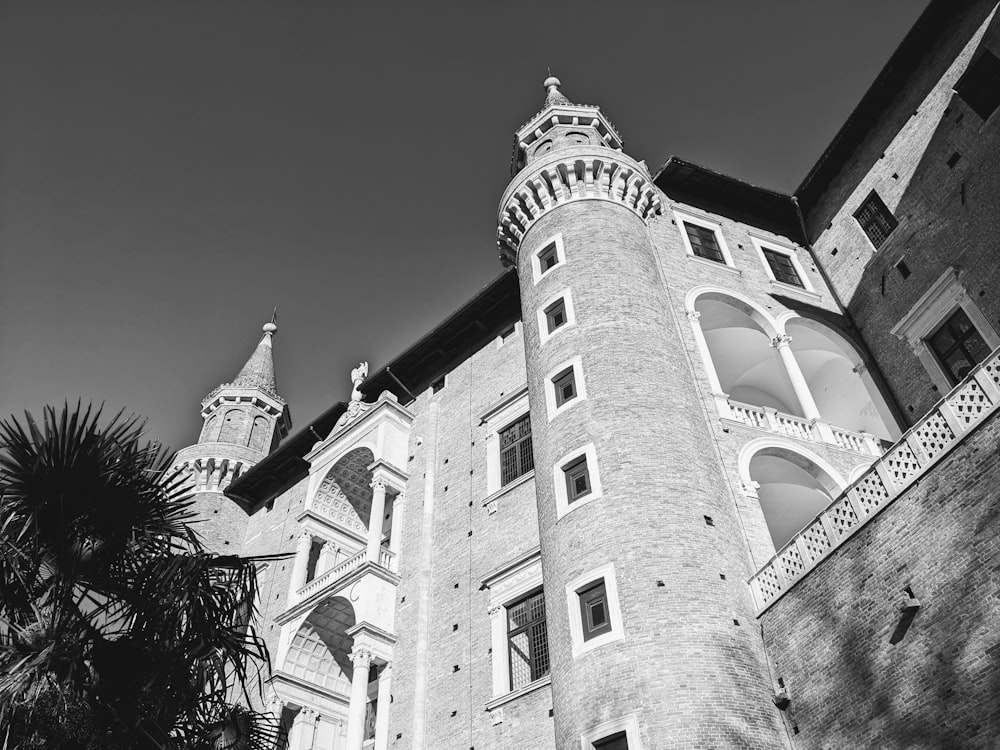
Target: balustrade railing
{"points": [[943, 427], [817, 431], [386, 559]]}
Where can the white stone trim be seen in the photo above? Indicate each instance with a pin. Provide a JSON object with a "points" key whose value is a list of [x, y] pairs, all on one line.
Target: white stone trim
{"points": [[514, 334], [507, 587], [682, 217], [496, 420], [791, 252], [536, 266], [580, 646], [628, 724], [543, 328], [550, 389], [563, 506], [944, 297]]}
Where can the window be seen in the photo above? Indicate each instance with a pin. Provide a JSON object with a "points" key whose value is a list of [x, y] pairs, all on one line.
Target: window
{"points": [[549, 257], [555, 315], [979, 86], [703, 242], [594, 615], [594, 610], [577, 479], [958, 346], [565, 386], [877, 221], [527, 640], [516, 458], [782, 267], [438, 384], [616, 741]]}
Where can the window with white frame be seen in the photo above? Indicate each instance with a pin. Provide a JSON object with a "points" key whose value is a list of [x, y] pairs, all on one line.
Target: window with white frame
{"points": [[564, 387], [555, 315], [703, 238], [509, 454], [527, 640], [551, 255], [617, 734], [947, 330], [516, 457], [594, 614], [782, 264], [577, 480]]}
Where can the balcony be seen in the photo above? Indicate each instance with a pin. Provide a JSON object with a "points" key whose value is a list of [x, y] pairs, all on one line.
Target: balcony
{"points": [[970, 403], [814, 430], [331, 580]]}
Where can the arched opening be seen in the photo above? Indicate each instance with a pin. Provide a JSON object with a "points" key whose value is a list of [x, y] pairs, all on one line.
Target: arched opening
{"points": [[345, 494], [844, 394], [792, 488], [320, 650], [739, 339], [208, 432], [258, 434], [232, 422]]}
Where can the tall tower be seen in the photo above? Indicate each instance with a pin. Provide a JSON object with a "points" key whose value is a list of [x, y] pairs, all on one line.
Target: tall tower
{"points": [[243, 421], [651, 626]]}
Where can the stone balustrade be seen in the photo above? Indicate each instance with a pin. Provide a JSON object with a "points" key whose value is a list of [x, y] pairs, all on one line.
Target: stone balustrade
{"points": [[330, 577], [815, 430], [940, 430]]}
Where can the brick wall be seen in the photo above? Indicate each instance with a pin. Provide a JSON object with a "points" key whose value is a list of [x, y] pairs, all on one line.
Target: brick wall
{"points": [[856, 675]]}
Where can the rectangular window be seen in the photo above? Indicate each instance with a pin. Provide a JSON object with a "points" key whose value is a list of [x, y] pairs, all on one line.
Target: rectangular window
{"points": [[782, 267], [548, 257], [703, 242], [565, 386], [594, 614], [577, 479], [877, 221], [555, 314], [616, 741], [979, 86], [516, 458], [527, 639], [958, 346]]}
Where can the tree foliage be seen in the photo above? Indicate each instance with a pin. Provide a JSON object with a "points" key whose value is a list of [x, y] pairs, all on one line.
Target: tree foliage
{"points": [[117, 628]]}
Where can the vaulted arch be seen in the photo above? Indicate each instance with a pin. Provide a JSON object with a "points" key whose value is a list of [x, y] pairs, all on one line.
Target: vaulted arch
{"points": [[320, 650]]}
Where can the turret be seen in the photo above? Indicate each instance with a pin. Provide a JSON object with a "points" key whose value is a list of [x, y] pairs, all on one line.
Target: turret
{"points": [[650, 622]]}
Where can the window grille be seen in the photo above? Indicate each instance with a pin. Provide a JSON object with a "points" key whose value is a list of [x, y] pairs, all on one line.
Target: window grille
{"points": [[516, 458], [528, 641], [877, 221], [782, 267], [958, 346], [616, 741], [704, 243]]}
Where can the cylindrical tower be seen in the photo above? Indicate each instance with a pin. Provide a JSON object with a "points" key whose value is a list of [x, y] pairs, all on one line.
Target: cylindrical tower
{"points": [[650, 623]]}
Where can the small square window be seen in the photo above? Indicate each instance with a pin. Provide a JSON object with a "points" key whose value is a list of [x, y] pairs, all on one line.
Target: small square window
{"points": [[565, 386], [555, 315], [616, 741], [438, 384], [876, 219], [704, 243], [594, 614], [958, 346], [548, 258], [782, 267], [979, 86], [577, 479]]}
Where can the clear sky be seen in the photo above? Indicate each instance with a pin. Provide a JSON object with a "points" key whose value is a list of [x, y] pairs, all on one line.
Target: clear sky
{"points": [[172, 170]]}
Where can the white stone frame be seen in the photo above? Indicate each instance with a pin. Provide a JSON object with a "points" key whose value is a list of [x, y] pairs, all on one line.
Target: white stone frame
{"points": [[563, 505], [536, 266], [498, 418], [507, 585], [543, 328], [683, 216], [760, 243], [946, 295], [550, 389], [617, 632], [602, 730]]}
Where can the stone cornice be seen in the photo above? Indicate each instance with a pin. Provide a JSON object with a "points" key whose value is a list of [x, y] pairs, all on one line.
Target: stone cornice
{"points": [[594, 174]]}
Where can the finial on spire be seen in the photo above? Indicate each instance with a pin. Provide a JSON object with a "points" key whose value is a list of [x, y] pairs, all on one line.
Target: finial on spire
{"points": [[272, 326], [554, 96]]}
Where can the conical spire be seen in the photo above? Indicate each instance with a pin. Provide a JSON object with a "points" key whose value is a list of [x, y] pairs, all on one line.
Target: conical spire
{"points": [[555, 96], [258, 372]]}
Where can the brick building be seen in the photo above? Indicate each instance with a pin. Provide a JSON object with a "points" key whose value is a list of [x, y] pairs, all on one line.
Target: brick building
{"points": [[706, 466]]}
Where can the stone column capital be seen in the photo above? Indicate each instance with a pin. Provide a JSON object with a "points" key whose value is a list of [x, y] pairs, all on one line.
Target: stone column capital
{"points": [[309, 715], [361, 656], [379, 484], [781, 340], [693, 315], [304, 534], [496, 611]]}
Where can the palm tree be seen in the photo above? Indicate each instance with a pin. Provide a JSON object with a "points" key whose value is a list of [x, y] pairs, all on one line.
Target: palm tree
{"points": [[117, 628]]}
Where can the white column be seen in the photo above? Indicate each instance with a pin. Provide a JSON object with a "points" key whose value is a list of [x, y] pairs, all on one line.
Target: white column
{"points": [[721, 398], [361, 657], [799, 385], [327, 557], [498, 640], [303, 727], [396, 534], [375, 519], [301, 565], [382, 709]]}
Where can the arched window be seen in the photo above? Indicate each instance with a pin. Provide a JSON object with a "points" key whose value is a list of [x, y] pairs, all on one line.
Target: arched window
{"points": [[232, 425], [258, 434], [208, 432]]}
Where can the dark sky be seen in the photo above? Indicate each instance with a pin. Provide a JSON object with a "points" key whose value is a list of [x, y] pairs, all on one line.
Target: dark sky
{"points": [[170, 171]]}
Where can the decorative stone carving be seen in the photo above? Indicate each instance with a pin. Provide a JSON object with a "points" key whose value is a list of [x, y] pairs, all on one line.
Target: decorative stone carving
{"points": [[358, 375], [361, 656], [781, 340], [495, 611], [379, 484], [859, 368], [693, 315]]}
